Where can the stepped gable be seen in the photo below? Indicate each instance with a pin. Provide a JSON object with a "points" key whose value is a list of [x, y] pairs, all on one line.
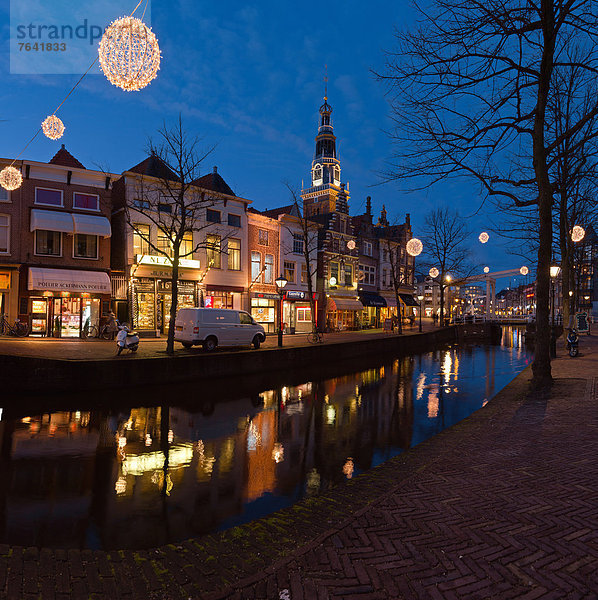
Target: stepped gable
{"points": [[65, 159], [213, 181], [154, 166]]}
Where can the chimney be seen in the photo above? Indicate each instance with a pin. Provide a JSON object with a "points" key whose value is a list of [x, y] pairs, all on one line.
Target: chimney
{"points": [[408, 220], [368, 205], [215, 170]]}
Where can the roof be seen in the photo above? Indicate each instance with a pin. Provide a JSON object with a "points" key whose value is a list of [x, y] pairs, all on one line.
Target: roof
{"points": [[154, 166], [64, 158], [213, 181], [274, 213]]}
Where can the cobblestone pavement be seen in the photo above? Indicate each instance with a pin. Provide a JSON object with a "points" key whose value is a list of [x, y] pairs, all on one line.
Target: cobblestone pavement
{"points": [[502, 505]]}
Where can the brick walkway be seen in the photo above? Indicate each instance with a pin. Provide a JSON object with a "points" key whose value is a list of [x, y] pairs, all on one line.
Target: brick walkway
{"points": [[503, 505]]}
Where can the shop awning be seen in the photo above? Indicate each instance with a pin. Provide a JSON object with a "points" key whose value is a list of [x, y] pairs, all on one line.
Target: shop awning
{"points": [[345, 304], [65, 280], [408, 300], [92, 225], [51, 220], [372, 299]]}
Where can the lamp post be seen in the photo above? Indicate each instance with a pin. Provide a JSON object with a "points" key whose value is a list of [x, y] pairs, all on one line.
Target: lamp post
{"points": [[554, 273], [280, 282], [420, 297]]}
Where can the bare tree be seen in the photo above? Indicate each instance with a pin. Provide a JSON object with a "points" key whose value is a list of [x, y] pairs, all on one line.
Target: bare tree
{"points": [[471, 86], [173, 204], [445, 239]]}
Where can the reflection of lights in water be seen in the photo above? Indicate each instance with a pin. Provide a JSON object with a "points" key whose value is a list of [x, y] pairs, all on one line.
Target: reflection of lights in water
{"points": [[77, 415], [326, 399], [348, 468], [138, 464], [120, 487], [278, 452], [26, 420], [122, 441], [33, 427], [148, 439], [129, 425], [433, 402], [284, 395], [330, 414], [382, 372], [312, 482], [456, 368], [446, 366], [356, 390], [52, 429], [455, 390], [300, 393], [170, 436], [254, 438], [158, 480], [485, 402], [421, 384]]}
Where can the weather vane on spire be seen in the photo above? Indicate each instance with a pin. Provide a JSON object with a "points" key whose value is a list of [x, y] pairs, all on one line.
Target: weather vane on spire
{"points": [[325, 83]]}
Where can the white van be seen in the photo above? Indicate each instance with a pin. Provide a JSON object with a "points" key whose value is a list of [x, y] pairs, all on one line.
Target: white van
{"points": [[214, 327]]}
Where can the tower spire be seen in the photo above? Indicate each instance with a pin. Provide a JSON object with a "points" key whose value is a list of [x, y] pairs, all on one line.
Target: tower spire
{"points": [[325, 83]]}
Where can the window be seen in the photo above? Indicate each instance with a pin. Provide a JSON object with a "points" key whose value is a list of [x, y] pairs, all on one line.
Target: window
{"points": [[348, 274], [213, 250], [48, 243], [385, 282], [164, 245], [367, 248], [269, 268], [234, 254], [86, 201], [262, 237], [304, 314], [245, 319], [256, 266], [334, 271], [297, 243], [4, 195], [48, 197], [186, 247], [141, 204], [4, 234], [289, 271], [234, 220], [304, 273], [85, 246], [367, 274], [141, 245], [165, 208], [212, 216]]}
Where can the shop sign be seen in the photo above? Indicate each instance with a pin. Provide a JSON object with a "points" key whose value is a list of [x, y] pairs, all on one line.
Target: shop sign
{"points": [[144, 286], [184, 287], [296, 295], [164, 261], [267, 296]]}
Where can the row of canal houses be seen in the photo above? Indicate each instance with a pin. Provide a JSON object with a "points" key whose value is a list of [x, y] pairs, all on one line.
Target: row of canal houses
{"points": [[73, 247]]}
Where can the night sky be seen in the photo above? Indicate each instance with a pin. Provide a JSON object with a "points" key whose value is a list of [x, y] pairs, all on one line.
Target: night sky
{"points": [[248, 78]]}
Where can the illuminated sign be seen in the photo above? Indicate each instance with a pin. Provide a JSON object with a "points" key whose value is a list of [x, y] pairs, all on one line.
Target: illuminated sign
{"points": [[163, 261]]}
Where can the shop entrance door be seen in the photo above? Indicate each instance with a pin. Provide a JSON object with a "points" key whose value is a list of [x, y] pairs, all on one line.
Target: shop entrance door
{"points": [[3, 308], [67, 317], [39, 317]]}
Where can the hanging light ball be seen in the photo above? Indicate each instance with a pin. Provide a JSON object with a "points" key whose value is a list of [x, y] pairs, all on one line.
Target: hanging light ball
{"points": [[53, 127], [486, 269], [129, 54], [484, 237], [434, 272], [10, 178], [351, 244], [578, 233], [414, 247], [524, 270]]}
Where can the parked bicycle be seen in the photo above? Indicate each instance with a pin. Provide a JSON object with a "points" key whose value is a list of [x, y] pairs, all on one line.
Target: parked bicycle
{"points": [[18, 329], [315, 337]]}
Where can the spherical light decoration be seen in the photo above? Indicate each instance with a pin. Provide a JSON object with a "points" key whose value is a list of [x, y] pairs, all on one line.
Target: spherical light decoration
{"points": [[351, 244], [486, 269], [414, 247], [10, 178], [129, 54], [53, 127], [524, 270], [484, 237], [434, 272], [578, 233]]}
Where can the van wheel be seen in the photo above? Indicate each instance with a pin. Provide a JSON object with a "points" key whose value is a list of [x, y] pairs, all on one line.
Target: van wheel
{"points": [[187, 345], [256, 342], [210, 344]]}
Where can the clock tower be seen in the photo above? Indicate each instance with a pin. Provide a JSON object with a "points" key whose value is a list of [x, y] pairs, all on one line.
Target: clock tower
{"points": [[322, 197]]}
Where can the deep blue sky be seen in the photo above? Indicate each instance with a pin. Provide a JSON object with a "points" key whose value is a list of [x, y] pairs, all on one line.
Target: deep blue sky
{"points": [[248, 78]]}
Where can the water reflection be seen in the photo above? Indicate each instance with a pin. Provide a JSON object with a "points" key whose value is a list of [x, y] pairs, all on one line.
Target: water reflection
{"points": [[146, 476]]}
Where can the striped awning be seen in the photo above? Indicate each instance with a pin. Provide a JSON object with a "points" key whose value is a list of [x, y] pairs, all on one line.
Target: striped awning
{"points": [[344, 304]]}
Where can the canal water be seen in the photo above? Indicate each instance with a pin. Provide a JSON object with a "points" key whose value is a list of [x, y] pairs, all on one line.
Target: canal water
{"points": [[146, 476]]}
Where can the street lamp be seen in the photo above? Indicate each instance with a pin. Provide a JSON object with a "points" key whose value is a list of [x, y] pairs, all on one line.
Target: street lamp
{"points": [[420, 297], [280, 282], [554, 273]]}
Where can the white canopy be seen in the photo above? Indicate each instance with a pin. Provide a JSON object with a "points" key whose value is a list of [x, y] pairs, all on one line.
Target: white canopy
{"points": [[51, 220], [66, 280], [92, 225], [338, 303]]}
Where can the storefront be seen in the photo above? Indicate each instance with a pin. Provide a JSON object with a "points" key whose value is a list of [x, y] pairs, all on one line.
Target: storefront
{"points": [[411, 305], [222, 296], [9, 284], [372, 305], [342, 313], [63, 303], [296, 312], [264, 309]]}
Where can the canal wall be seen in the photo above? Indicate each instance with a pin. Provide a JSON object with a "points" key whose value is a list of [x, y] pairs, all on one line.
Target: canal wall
{"points": [[29, 375]]}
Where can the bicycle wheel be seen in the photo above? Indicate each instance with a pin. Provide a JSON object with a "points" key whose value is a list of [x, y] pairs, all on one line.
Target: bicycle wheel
{"points": [[21, 329], [105, 334], [94, 332], [314, 337]]}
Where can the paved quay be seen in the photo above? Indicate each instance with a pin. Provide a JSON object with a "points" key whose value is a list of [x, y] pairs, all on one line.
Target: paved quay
{"points": [[502, 505]]}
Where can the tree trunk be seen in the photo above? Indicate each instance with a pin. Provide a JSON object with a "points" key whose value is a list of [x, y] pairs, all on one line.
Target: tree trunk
{"points": [[174, 288], [441, 316]]}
